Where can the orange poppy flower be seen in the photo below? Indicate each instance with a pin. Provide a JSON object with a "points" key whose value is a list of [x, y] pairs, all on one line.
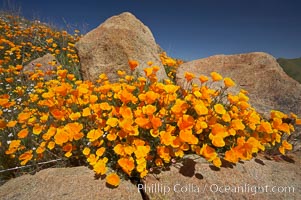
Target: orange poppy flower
{"points": [[100, 167], [142, 122], [186, 122], [285, 128], [11, 124], [203, 78], [219, 109], [150, 97], [73, 130], [217, 141], [112, 122], [86, 112], [113, 179], [22, 117], [94, 134], [150, 63], [25, 157], [154, 132], [51, 145], [86, 151], [226, 117], [121, 73], [127, 164], [159, 162], [100, 151], [75, 116], [133, 64], [171, 89], [68, 148], [149, 109], [231, 156], [105, 106], [217, 162], [265, 127], [9, 80], [156, 122], [57, 114], [189, 76], [2, 124], [166, 138], [3, 101], [92, 159], [148, 71], [242, 96], [285, 146], [37, 129], [93, 98], [142, 151], [23, 133], [119, 149], [50, 132], [216, 76], [40, 150], [125, 96], [187, 136], [201, 109], [68, 154], [111, 136], [164, 153], [237, 124], [61, 136], [208, 152], [229, 82], [13, 146]]}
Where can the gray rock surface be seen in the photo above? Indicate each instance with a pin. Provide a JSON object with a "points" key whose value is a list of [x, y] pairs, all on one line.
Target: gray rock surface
{"points": [[65, 184], [258, 179]]}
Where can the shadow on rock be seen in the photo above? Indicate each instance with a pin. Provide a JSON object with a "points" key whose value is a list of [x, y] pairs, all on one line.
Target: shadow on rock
{"points": [[259, 161], [188, 168], [227, 164], [287, 159]]}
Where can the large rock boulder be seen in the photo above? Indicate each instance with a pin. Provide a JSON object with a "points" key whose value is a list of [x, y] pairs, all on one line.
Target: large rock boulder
{"points": [[259, 73], [65, 183], [269, 87], [256, 179], [109, 47]]}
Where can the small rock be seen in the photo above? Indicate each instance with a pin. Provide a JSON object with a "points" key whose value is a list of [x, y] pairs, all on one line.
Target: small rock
{"points": [[47, 63]]}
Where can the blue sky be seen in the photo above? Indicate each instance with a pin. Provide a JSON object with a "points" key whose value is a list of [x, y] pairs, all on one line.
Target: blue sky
{"points": [[189, 29]]}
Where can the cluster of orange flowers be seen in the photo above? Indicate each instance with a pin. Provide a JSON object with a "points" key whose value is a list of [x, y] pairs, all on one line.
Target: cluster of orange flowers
{"points": [[137, 125], [171, 65], [21, 41], [134, 126]]}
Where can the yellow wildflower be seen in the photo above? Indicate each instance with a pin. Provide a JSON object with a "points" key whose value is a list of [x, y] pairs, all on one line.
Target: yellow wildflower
{"points": [[216, 76]]}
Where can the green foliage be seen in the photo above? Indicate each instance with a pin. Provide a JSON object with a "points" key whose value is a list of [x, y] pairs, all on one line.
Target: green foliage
{"points": [[292, 67]]}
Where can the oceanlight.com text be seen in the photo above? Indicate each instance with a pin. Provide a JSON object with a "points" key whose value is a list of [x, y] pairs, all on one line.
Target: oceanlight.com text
{"points": [[253, 189], [214, 188]]}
